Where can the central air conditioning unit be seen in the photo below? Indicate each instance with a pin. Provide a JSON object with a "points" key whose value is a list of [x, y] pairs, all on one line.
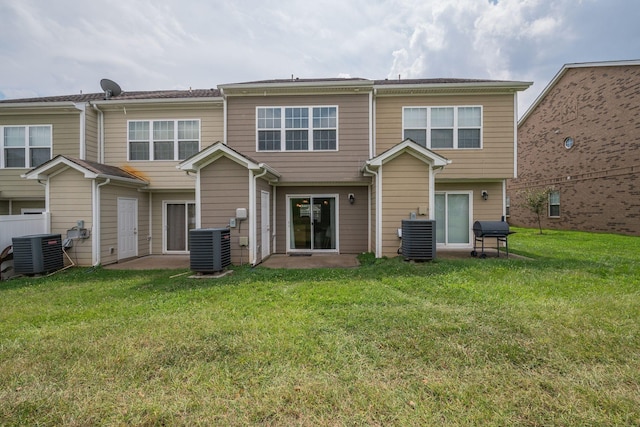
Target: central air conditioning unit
{"points": [[210, 249], [37, 254], [419, 239]]}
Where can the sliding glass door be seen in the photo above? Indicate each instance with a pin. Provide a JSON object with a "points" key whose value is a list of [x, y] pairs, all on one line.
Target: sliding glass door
{"points": [[312, 223]]}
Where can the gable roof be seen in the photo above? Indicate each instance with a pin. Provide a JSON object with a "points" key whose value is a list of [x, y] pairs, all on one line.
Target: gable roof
{"points": [[89, 169], [565, 68], [218, 150], [410, 147]]}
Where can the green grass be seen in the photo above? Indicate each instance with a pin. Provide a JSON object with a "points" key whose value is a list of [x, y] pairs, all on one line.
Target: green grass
{"points": [[550, 340]]}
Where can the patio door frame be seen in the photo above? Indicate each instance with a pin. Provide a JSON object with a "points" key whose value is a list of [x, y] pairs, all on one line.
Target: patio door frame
{"points": [[446, 243], [165, 224], [335, 225]]}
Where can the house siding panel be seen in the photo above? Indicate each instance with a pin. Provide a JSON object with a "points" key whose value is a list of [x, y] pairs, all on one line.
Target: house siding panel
{"points": [[160, 174], [343, 165], [224, 186], [91, 134], [405, 187], [598, 179], [75, 205], [494, 160], [65, 140]]}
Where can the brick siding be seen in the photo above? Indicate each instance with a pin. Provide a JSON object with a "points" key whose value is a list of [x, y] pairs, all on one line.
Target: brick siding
{"points": [[598, 178]]}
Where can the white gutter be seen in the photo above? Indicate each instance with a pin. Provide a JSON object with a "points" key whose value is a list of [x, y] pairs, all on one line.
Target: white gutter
{"points": [[253, 226], [95, 232], [378, 209]]}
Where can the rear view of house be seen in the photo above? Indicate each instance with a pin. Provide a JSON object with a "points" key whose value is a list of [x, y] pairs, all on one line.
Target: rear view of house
{"points": [[296, 166]]}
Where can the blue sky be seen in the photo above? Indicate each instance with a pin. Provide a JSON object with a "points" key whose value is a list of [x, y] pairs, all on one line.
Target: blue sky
{"points": [[66, 46]]}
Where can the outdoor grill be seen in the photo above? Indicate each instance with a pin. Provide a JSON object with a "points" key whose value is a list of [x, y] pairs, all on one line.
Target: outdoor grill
{"points": [[490, 229]]}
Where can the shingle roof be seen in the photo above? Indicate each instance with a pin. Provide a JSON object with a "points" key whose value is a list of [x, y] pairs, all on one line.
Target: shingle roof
{"points": [[102, 169], [156, 94], [432, 81]]}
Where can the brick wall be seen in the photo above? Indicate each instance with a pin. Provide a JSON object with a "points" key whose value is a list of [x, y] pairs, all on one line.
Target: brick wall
{"points": [[598, 178]]}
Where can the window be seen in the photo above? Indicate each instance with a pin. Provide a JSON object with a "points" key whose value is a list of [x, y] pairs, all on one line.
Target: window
{"points": [[25, 146], [554, 204], [163, 139], [303, 128], [443, 127]]}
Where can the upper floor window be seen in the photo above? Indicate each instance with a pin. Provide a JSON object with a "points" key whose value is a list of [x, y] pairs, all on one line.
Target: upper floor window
{"points": [[25, 146], [443, 127], [554, 204], [297, 128], [163, 139]]}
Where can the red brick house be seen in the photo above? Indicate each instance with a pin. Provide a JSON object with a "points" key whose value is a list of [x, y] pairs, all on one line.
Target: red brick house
{"points": [[581, 140]]}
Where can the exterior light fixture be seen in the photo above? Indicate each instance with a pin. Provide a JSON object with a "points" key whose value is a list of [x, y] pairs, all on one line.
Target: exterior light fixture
{"points": [[485, 195], [352, 198]]}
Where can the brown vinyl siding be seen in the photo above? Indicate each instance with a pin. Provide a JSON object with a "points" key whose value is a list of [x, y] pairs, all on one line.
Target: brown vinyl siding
{"points": [[65, 140], [405, 187], [224, 187], [91, 134], [160, 174], [315, 166], [494, 160], [483, 210], [74, 202], [352, 219], [109, 195]]}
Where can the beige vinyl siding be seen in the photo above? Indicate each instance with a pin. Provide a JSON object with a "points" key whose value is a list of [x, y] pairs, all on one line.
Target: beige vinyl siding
{"points": [[65, 140], [494, 160], [16, 206], [109, 195], [315, 166], [91, 134], [483, 210], [224, 187], [157, 206], [160, 174], [71, 200], [352, 219], [405, 187]]}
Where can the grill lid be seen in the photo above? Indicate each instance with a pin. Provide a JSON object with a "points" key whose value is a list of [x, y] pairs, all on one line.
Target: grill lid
{"points": [[491, 228]]}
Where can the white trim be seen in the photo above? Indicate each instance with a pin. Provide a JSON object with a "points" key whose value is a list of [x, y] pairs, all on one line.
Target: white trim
{"points": [[336, 225], [309, 129], [27, 147], [454, 129], [151, 141], [470, 231], [252, 218], [83, 119], [165, 225], [515, 135]]}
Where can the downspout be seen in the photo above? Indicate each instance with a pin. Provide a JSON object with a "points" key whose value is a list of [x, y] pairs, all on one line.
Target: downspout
{"points": [[224, 117], [83, 130], [372, 122], [378, 209], [95, 232], [46, 203], [253, 226], [100, 133]]}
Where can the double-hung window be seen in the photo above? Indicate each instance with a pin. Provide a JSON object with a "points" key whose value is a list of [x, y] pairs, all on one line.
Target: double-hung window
{"points": [[554, 204], [297, 128], [163, 139], [443, 127], [25, 146]]}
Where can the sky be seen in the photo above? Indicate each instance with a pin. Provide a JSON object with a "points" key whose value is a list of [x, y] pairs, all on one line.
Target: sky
{"points": [[63, 47]]}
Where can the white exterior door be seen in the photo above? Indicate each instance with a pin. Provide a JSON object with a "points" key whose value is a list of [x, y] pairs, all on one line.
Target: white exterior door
{"points": [[265, 224], [127, 228], [453, 219]]}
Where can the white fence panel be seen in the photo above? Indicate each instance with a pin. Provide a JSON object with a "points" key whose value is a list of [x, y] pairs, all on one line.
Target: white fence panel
{"points": [[22, 225]]}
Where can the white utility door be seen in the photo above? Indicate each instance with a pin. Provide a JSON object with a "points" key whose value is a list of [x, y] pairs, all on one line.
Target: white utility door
{"points": [[127, 228], [265, 224]]}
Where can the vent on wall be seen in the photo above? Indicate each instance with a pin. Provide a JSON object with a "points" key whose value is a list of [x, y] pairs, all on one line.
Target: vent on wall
{"points": [[37, 254], [210, 249], [418, 239]]}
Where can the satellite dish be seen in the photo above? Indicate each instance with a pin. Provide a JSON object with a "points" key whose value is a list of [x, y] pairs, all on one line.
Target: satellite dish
{"points": [[110, 88]]}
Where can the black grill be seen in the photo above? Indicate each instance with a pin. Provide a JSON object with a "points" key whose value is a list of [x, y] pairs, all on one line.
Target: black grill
{"points": [[491, 229]]}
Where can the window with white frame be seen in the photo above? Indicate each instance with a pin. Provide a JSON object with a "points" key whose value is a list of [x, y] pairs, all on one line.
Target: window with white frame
{"points": [[554, 204], [163, 139], [25, 146], [297, 128], [443, 127]]}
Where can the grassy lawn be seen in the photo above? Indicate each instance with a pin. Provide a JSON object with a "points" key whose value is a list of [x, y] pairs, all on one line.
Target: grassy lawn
{"points": [[551, 340]]}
